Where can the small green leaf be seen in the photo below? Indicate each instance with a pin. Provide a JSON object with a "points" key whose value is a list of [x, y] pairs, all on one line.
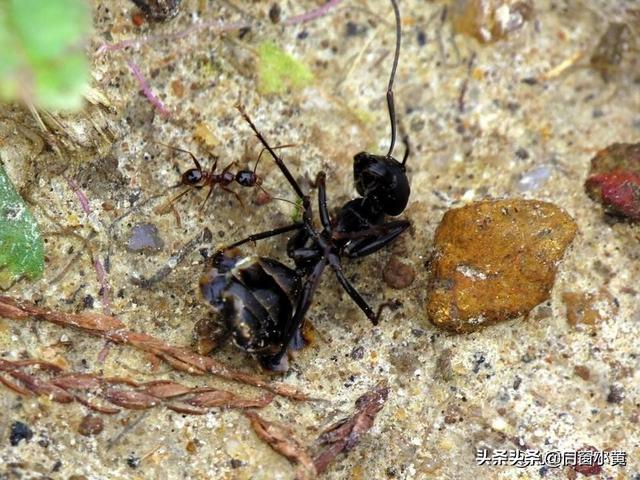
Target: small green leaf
{"points": [[42, 54], [21, 246], [277, 70]]}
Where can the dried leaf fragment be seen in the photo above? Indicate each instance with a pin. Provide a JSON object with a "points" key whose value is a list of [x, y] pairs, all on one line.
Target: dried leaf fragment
{"points": [[347, 433]]}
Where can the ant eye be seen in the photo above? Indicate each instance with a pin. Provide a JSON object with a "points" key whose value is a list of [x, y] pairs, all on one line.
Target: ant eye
{"points": [[192, 176]]}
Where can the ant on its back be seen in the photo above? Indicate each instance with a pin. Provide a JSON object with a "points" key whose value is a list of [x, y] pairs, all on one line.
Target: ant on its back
{"points": [[264, 302]]}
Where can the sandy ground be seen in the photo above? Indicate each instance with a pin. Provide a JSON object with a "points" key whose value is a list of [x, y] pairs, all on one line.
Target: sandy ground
{"points": [[476, 129]]}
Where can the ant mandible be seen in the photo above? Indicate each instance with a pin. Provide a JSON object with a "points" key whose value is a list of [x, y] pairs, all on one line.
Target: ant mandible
{"points": [[263, 301], [198, 178]]}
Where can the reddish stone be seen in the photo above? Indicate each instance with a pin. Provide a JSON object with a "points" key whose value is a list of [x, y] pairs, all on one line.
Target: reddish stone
{"points": [[588, 469], [614, 179]]}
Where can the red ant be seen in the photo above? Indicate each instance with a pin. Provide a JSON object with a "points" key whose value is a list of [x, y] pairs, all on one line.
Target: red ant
{"points": [[197, 178]]}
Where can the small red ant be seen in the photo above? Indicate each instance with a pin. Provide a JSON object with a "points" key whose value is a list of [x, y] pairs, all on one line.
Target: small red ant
{"points": [[197, 178]]}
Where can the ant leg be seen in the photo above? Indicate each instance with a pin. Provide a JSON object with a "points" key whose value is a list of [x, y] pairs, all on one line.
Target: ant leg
{"points": [[208, 195], [165, 207], [325, 219], [281, 165], [235, 193], [368, 245], [226, 169], [334, 261], [303, 302], [195, 160], [263, 235]]}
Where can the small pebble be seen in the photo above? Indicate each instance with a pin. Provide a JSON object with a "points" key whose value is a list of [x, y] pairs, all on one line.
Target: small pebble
{"points": [[588, 470], [275, 12], [535, 178], [19, 431], [397, 274], [614, 179], [91, 425], [133, 461], [616, 394], [490, 20], [144, 237], [159, 10]]}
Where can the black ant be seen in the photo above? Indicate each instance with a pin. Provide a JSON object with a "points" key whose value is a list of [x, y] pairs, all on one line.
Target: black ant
{"points": [[198, 178], [263, 301]]}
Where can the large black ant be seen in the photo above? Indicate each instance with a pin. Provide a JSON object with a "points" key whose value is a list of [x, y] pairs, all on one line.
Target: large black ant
{"points": [[263, 301], [198, 178]]}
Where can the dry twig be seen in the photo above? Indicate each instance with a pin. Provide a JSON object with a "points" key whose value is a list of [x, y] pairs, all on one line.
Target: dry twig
{"points": [[36, 377], [282, 439], [341, 437], [110, 328], [346, 434]]}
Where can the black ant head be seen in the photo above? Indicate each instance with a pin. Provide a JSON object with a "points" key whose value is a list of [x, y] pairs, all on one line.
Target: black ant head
{"points": [[382, 180], [192, 177]]}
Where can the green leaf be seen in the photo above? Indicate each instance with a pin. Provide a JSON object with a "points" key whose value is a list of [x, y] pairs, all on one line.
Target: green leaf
{"points": [[277, 70], [21, 246], [42, 53]]}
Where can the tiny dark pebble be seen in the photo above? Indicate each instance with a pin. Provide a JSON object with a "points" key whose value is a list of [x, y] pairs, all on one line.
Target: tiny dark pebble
{"points": [[543, 471], [478, 360], [56, 466], [522, 154], [354, 29], [133, 462], [421, 37], [275, 13], [87, 302], [302, 35], [392, 472], [44, 442], [235, 463], [530, 81], [159, 10], [19, 431], [516, 383], [616, 394], [91, 425], [357, 353]]}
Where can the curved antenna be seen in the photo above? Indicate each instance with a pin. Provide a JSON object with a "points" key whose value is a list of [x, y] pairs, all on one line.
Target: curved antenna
{"points": [[390, 104]]}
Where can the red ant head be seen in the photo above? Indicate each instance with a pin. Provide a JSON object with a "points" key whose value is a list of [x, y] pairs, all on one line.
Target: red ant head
{"points": [[192, 177]]}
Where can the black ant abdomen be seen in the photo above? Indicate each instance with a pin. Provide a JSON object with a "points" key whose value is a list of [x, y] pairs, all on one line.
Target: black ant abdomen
{"points": [[192, 177], [256, 297]]}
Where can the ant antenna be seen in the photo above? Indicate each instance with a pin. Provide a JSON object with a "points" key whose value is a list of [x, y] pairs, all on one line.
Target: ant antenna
{"points": [[396, 57]]}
